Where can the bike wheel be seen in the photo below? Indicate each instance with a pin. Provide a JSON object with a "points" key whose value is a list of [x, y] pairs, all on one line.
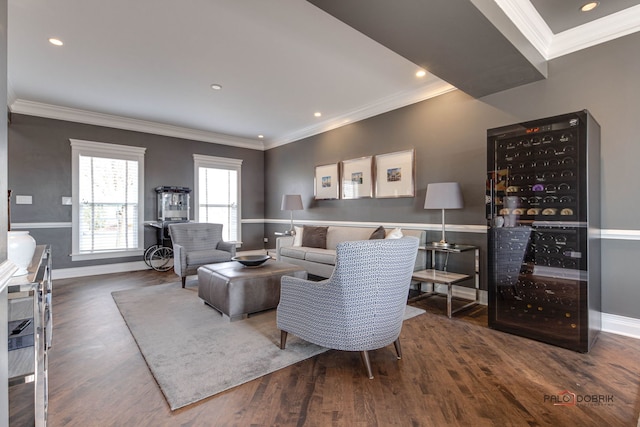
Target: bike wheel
{"points": [[161, 259], [147, 254]]}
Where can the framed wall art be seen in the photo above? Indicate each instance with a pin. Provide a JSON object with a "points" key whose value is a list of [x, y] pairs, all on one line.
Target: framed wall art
{"points": [[357, 178], [326, 182], [395, 174]]}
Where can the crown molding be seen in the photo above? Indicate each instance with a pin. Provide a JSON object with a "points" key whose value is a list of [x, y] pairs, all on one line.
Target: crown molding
{"points": [[551, 46], [430, 90], [21, 106], [529, 22], [599, 31]]}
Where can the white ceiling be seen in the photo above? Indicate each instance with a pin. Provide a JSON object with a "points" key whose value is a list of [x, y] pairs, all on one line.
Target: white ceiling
{"points": [[147, 65]]}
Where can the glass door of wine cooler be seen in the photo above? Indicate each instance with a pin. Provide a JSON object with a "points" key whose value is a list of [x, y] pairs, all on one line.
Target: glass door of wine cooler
{"points": [[538, 222]]}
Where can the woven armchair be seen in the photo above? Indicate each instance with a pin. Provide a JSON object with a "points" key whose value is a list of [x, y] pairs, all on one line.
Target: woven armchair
{"points": [[197, 244], [360, 307]]}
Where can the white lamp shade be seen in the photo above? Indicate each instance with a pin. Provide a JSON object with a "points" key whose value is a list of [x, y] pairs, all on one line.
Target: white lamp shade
{"points": [[291, 202], [443, 195]]}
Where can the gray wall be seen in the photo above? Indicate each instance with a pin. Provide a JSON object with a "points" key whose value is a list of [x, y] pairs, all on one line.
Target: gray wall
{"points": [[449, 136], [40, 166]]}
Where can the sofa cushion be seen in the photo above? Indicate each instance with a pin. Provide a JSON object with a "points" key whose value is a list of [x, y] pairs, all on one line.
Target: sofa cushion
{"points": [[293, 252], [322, 256], [207, 256], [378, 233], [314, 237], [339, 234]]}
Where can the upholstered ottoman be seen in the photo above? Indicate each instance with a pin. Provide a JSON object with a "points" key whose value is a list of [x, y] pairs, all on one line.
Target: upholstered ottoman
{"points": [[237, 291]]}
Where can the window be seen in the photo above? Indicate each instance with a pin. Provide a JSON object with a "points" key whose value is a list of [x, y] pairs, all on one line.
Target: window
{"points": [[217, 193], [108, 200]]}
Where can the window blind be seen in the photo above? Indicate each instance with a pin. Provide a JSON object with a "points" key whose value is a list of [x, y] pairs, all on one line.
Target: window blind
{"points": [[108, 204], [218, 199]]}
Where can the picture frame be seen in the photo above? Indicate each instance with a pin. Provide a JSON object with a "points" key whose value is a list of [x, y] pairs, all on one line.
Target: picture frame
{"points": [[326, 182], [395, 174], [357, 178]]}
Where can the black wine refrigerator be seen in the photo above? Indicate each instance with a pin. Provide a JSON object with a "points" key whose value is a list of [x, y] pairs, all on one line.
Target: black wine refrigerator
{"points": [[543, 213]]}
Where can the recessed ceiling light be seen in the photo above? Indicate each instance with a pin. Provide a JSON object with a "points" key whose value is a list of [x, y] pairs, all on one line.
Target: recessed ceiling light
{"points": [[317, 114], [589, 6], [216, 86], [421, 73], [55, 42], [260, 136]]}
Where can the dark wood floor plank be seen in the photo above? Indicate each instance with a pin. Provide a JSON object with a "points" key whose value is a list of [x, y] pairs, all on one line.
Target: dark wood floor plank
{"points": [[454, 372]]}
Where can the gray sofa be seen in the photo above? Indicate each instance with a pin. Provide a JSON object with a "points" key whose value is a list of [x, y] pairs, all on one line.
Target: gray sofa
{"points": [[321, 261]]}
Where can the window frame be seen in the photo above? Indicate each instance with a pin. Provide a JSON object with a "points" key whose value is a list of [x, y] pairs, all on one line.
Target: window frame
{"points": [[109, 151], [214, 162]]}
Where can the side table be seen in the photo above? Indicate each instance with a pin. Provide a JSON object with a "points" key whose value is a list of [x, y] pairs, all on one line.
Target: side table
{"points": [[444, 277]]}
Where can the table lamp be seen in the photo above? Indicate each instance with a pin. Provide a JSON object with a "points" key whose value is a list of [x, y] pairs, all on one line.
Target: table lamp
{"points": [[291, 202], [443, 195]]}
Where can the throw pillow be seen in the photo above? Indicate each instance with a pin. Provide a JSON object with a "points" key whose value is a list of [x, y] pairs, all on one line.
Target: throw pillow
{"points": [[314, 237], [378, 233], [396, 233], [297, 238]]}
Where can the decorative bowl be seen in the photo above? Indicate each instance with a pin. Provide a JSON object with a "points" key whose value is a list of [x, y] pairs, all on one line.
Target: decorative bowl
{"points": [[251, 260]]}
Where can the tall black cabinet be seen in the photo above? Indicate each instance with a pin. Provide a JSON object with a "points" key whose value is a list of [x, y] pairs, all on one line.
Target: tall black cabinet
{"points": [[543, 213]]}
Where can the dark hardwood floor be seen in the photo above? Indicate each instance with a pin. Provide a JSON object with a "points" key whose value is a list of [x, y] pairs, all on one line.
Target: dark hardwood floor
{"points": [[455, 372]]}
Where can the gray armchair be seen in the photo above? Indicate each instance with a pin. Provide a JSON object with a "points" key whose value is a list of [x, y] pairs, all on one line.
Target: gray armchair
{"points": [[197, 244], [360, 307]]}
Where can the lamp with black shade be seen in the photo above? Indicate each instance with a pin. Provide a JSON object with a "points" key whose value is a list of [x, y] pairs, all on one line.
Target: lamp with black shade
{"points": [[291, 202], [443, 195]]}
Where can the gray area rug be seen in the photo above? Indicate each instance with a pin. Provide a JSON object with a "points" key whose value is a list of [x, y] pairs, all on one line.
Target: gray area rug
{"points": [[194, 353]]}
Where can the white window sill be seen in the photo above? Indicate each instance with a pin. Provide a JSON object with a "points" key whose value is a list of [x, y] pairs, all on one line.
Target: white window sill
{"points": [[107, 255]]}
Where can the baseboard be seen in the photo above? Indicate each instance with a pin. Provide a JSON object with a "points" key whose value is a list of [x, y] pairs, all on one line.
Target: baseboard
{"points": [[94, 270], [627, 326]]}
